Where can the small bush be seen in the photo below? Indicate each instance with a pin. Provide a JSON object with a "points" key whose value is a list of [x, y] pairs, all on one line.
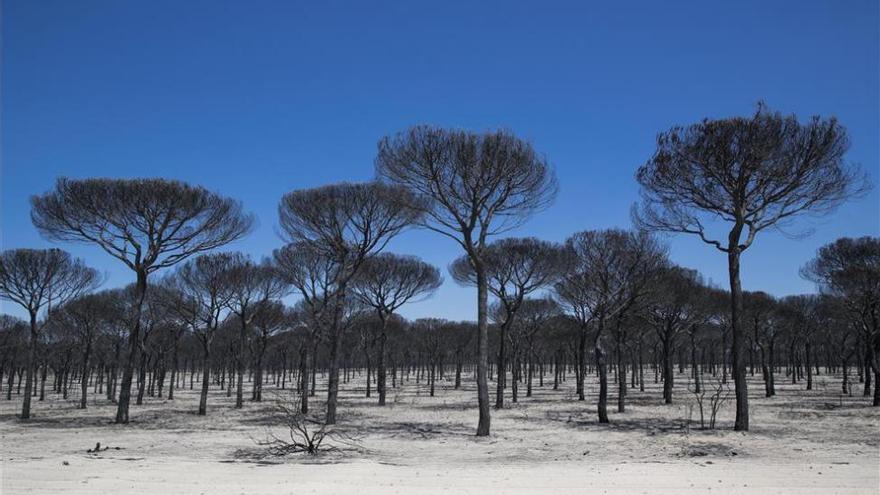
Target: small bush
{"points": [[710, 400], [307, 433]]}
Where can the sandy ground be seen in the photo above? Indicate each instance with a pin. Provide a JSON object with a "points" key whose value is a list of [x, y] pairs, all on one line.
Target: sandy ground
{"points": [[801, 442]]}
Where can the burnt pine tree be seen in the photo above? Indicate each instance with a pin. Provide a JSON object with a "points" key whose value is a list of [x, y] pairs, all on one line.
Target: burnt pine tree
{"points": [[312, 275], [673, 306], [198, 294], [85, 318], [250, 285], [345, 224], [609, 271], [148, 224], [386, 282], [760, 309], [752, 173], [34, 279], [471, 187], [515, 268], [270, 317], [179, 312], [533, 317]]}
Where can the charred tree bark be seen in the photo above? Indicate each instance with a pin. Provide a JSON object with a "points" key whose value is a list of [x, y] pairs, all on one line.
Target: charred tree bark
{"points": [[133, 339], [29, 368], [736, 309], [482, 352], [501, 368]]}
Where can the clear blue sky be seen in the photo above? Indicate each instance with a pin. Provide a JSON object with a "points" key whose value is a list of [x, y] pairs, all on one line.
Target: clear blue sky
{"points": [[253, 99]]}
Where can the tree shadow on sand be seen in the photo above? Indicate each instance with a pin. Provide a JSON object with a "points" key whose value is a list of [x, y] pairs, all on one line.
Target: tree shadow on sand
{"points": [[38, 421], [422, 430]]}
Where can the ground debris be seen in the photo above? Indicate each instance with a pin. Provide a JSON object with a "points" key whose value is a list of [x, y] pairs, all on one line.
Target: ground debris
{"points": [[98, 448]]}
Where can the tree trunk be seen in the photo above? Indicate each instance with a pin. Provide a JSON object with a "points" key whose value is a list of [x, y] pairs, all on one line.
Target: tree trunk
{"points": [[765, 369], [10, 381], [621, 371], [694, 368], [29, 368], [84, 383], [133, 339], [556, 360], [482, 351], [736, 309], [433, 375], [603, 384], [114, 375], [514, 375], [724, 350], [582, 362], [206, 364], [641, 368], [239, 362], [601, 368], [335, 338], [142, 378], [369, 366], [174, 364], [380, 363], [258, 376], [808, 352], [43, 373], [314, 369], [530, 369], [501, 370], [668, 370]]}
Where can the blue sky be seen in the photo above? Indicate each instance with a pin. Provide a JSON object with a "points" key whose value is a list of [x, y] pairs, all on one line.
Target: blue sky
{"points": [[253, 99]]}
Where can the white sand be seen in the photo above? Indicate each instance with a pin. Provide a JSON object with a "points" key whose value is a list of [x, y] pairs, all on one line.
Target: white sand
{"points": [[801, 442]]}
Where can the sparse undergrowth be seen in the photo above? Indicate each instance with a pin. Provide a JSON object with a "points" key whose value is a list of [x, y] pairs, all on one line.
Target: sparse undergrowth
{"points": [[307, 433]]}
